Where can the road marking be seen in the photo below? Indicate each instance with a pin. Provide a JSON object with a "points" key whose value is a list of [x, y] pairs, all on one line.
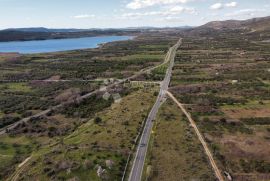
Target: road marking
{"points": [[198, 133]]}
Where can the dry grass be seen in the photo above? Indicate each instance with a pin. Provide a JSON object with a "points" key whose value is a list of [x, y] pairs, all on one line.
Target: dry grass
{"points": [[242, 146], [119, 122], [247, 112], [176, 153], [109, 140]]}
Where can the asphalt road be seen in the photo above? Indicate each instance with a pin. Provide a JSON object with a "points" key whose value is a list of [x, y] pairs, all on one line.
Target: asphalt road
{"points": [[138, 164]]}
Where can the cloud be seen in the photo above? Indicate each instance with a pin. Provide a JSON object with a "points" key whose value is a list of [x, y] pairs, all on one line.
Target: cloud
{"points": [[246, 12], [218, 6], [139, 4], [170, 12], [84, 16], [231, 4], [172, 19], [180, 9]]}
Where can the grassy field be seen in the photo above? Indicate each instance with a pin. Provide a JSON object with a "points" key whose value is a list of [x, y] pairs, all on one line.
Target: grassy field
{"points": [[13, 151], [106, 143], [15, 87], [175, 152]]}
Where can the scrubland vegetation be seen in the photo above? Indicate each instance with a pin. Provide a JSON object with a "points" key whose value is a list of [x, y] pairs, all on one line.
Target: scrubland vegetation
{"points": [[104, 140], [175, 152], [223, 78], [32, 83], [90, 138]]}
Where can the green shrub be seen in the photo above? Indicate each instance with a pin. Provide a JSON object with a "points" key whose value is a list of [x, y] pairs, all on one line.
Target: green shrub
{"points": [[97, 120]]}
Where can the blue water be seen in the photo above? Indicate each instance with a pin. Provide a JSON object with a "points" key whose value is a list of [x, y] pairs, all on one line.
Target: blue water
{"points": [[43, 46]]}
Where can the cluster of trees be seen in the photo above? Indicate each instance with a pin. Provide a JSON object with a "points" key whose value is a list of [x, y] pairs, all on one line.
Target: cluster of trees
{"points": [[218, 127], [15, 107], [210, 99], [87, 108], [256, 121], [20, 104], [7, 120], [260, 166]]}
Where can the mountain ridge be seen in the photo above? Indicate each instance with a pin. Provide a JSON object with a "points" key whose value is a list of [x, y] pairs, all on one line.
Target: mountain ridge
{"points": [[255, 24]]}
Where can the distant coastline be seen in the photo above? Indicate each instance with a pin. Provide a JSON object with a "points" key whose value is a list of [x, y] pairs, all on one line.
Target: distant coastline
{"points": [[21, 36], [58, 45]]}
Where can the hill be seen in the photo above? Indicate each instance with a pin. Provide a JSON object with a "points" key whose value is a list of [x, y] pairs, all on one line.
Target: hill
{"points": [[42, 29], [27, 34], [255, 24]]}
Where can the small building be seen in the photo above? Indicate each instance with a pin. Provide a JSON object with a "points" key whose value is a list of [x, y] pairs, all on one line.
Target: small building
{"points": [[117, 98], [106, 96]]}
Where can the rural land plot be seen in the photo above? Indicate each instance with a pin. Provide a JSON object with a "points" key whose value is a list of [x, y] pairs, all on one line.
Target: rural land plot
{"points": [[104, 141], [30, 83], [226, 90], [175, 153]]}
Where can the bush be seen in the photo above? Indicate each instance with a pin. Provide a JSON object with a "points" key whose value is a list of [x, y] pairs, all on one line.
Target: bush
{"points": [[125, 123], [256, 121], [88, 164], [5, 121], [98, 120]]}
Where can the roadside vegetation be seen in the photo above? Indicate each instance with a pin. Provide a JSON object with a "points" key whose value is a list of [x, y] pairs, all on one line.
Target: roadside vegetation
{"points": [[175, 153]]}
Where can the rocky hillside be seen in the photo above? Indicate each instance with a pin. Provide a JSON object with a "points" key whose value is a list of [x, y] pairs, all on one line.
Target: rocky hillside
{"points": [[256, 24]]}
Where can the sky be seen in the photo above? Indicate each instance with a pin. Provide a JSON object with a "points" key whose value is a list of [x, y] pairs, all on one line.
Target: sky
{"points": [[125, 13]]}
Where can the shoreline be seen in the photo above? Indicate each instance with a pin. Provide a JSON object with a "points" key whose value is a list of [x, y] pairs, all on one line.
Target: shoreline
{"points": [[97, 45]]}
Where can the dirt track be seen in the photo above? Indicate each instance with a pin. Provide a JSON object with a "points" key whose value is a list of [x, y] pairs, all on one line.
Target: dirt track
{"points": [[204, 144]]}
